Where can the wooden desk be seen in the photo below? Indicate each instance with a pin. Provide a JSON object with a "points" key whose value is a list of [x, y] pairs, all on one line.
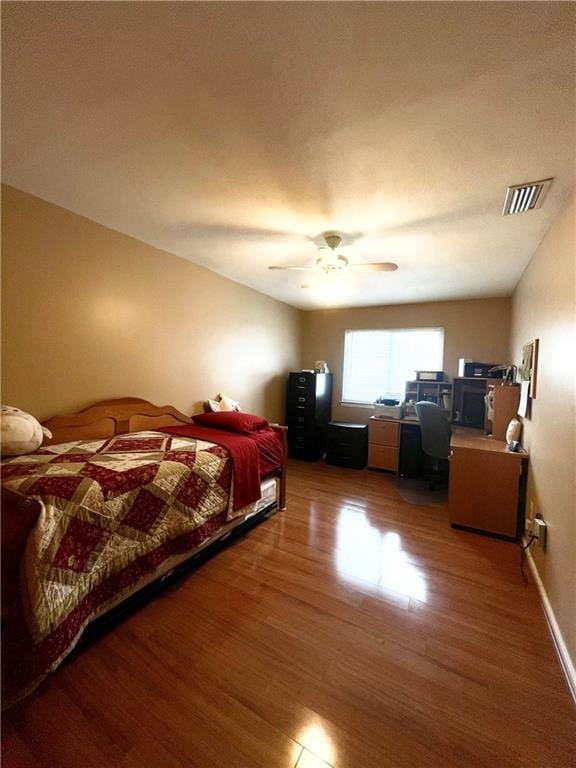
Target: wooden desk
{"points": [[487, 481], [487, 484]]}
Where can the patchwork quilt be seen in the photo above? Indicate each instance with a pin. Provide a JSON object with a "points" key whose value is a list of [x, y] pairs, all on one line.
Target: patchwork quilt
{"points": [[112, 511]]}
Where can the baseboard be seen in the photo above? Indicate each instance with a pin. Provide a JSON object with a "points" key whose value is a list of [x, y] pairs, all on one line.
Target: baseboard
{"points": [[563, 655]]}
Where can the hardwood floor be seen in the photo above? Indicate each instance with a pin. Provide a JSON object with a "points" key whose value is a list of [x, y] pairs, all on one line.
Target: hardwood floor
{"points": [[353, 630]]}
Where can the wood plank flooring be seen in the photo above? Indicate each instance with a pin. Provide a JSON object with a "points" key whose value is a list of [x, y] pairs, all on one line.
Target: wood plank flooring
{"points": [[353, 630]]}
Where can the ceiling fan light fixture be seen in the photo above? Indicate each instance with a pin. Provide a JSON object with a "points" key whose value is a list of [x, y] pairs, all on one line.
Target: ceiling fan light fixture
{"points": [[332, 264], [332, 239]]}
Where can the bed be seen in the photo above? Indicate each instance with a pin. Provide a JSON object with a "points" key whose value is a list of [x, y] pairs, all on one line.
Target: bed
{"points": [[125, 496]]}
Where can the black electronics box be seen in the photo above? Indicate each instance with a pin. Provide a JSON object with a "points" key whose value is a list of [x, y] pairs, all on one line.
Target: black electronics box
{"points": [[468, 369], [429, 375]]}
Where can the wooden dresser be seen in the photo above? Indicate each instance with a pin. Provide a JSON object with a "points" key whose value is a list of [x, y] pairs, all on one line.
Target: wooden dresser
{"points": [[383, 444]]}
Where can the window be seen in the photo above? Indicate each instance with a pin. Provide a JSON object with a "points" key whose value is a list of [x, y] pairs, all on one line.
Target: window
{"points": [[379, 363]]}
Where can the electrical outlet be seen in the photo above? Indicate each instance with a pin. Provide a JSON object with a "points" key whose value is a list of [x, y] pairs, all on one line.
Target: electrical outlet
{"points": [[540, 531], [537, 528]]}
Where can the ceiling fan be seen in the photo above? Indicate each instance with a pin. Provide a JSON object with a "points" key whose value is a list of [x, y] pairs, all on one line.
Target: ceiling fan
{"points": [[330, 262]]}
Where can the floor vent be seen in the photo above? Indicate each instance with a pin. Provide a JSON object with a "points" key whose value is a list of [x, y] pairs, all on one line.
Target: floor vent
{"points": [[525, 197]]}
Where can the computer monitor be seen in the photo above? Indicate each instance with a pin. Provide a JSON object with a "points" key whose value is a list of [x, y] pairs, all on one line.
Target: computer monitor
{"points": [[473, 409]]}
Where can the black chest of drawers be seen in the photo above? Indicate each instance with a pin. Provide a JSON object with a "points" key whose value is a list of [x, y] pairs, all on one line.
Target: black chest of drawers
{"points": [[308, 408], [347, 444]]}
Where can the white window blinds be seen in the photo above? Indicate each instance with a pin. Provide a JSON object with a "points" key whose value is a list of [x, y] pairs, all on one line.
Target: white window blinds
{"points": [[379, 363]]}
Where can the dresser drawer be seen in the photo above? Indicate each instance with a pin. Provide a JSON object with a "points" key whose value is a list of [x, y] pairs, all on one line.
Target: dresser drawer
{"points": [[384, 433], [344, 459], [383, 457], [300, 417], [347, 435], [304, 453], [296, 388], [346, 455], [302, 379], [302, 436], [301, 398]]}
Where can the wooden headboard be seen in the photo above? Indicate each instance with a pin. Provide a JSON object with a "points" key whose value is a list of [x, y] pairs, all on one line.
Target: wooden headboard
{"points": [[113, 417]]}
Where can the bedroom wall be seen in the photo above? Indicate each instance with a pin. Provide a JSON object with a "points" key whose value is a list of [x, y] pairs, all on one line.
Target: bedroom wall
{"points": [[544, 307], [477, 329], [89, 313]]}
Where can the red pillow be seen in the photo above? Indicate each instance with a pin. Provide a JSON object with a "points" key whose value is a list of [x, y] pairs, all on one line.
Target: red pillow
{"points": [[231, 421]]}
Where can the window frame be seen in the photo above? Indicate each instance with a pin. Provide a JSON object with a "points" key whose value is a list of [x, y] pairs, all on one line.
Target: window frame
{"points": [[364, 403]]}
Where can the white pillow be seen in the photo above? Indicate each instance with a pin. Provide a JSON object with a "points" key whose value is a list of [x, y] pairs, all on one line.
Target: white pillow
{"points": [[227, 404], [21, 433], [223, 403]]}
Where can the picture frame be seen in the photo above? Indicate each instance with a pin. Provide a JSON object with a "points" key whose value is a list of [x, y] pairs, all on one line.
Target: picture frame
{"points": [[529, 367]]}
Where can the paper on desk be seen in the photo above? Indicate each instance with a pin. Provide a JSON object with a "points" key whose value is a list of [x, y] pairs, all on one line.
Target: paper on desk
{"points": [[523, 406]]}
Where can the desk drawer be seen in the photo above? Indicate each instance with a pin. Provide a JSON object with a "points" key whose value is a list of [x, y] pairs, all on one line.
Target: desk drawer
{"points": [[383, 457], [384, 433]]}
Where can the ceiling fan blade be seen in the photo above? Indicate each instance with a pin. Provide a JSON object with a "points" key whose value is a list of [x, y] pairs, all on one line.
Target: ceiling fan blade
{"points": [[299, 269], [377, 266]]}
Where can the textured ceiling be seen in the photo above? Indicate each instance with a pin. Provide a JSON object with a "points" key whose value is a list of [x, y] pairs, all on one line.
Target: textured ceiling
{"points": [[232, 134]]}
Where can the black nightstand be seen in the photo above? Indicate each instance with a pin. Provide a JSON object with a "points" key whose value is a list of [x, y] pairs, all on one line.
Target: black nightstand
{"points": [[347, 444]]}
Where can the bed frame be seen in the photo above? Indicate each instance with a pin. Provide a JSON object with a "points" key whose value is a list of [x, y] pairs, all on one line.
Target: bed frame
{"points": [[109, 418], [106, 418]]}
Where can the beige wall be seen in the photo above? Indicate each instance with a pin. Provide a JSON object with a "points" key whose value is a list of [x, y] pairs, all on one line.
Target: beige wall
{"points": [[544, 307], [89, 313], [477, 329]]}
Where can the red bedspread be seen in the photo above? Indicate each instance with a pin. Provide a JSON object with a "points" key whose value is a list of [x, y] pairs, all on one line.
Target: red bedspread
{"points": [[112, 511], [253, 456], [270, 448]]}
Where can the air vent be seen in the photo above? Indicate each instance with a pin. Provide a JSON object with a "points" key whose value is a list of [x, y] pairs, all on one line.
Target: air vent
{"points": [[525, 197]]}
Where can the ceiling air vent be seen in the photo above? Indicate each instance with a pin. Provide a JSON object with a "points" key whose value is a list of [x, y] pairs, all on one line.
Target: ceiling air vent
{"points": [[525, 197]]}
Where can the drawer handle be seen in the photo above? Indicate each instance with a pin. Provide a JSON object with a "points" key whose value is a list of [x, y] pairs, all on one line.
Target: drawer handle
{"points": [[300, 418], [301, 399], [301, 378]]}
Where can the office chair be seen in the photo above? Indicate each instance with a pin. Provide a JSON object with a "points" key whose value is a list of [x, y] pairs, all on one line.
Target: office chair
{"points": [[436, 432]]}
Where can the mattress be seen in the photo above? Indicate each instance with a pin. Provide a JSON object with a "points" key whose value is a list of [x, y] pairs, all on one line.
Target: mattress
{"points": [[268, 490]]}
